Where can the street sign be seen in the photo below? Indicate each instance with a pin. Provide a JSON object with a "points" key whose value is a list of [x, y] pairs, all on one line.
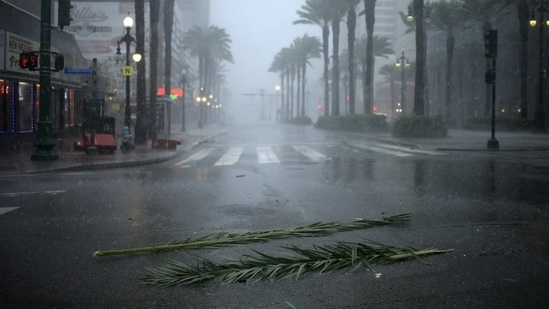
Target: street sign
{"points": [[127, 70], [81, 71]]}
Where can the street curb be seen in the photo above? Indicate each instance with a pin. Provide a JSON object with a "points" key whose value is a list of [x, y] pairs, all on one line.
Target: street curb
{"points": [[124, 164]]}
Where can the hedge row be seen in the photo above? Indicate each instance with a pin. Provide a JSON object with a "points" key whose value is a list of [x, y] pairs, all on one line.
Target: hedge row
{"points": [[354, 123], [419, 126], [509, 123]]}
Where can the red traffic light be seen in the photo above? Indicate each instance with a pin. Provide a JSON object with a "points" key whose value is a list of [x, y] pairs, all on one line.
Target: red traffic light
{"points": [[319, 106], [28, 60]]}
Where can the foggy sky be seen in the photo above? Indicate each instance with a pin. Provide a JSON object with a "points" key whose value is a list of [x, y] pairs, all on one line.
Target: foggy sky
{"points": [[258, 29]]}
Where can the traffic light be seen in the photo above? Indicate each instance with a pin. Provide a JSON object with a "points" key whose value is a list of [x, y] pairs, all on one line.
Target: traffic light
{"points": [[59, 62], [28, 60], [64, 13], [491, 44], [490, 77]]}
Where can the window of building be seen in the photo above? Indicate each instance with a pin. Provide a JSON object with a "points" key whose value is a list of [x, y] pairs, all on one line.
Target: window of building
{"points": [[26, 108], [7, 115]]}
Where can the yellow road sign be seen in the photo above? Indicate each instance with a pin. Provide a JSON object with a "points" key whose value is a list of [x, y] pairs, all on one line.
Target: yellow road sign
{"points": [[127, 70]]}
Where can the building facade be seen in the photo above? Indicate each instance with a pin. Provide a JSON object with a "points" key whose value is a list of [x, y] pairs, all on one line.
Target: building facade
{"points": [[20, 88]]}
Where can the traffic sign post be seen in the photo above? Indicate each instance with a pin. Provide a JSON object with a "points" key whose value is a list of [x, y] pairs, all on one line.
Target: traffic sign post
{"points": [[127, 70]]}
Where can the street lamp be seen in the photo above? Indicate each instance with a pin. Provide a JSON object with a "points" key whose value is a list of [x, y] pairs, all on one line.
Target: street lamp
{"points": [[540, 112], [402, 62], [127, 70]]}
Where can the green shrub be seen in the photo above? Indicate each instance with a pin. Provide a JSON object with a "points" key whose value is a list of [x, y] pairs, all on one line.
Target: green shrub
{"points": [[508, 123], [419, 126], [354, 123], [300, 121]]}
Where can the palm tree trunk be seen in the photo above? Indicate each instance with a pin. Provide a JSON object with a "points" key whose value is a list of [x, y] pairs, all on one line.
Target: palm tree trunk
{"points": [[168, 25], [154, 17], [303, 81], [281, 94], [487, 67], [368, 74], [523, 16], [141, 117], [325, 51], [291, 111], [419, 95], [351, 26], [288, 93], [450, 43], [335, 69], [298, 94]]}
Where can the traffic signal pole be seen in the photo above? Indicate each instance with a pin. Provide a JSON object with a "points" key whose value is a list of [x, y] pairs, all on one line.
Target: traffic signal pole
{"points": [[44, 142], [491, 48]]}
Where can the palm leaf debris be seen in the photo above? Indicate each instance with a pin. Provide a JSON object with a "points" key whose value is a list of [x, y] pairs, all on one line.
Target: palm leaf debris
{"points": [[222, 239], [251, 268]]}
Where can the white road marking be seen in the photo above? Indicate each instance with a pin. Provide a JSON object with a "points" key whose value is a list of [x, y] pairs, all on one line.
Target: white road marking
{"points": [[230, 157], [312, 154], [4, 210], [386, 151], [14, 194], [433, 153], [266, 155], [201, 154]]}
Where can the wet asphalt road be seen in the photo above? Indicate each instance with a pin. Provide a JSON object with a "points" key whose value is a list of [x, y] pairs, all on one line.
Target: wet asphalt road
{"points": [[492, 208]]}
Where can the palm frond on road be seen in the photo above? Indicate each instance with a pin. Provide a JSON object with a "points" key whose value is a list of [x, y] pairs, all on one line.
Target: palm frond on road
{"points": [[223, 239], [251, 268]]}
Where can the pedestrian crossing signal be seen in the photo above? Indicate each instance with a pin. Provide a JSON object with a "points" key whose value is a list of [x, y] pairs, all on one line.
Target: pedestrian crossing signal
{"points": [[28, 60]]}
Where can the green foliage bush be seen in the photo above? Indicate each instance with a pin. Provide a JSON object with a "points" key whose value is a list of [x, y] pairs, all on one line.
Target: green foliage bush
{"points": [[419, 126], [300, 121], [354, 123], [509, 123]]}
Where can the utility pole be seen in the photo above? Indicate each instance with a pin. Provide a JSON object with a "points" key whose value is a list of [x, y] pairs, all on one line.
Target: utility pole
{"points": [[44, 142]]}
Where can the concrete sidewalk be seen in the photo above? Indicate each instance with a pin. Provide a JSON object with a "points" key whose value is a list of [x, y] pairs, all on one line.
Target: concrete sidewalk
{"points": [[69, 160], [457, 140], [466, 140]]}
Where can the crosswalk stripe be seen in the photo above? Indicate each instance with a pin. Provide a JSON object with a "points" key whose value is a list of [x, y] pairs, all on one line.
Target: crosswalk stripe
{"points": [[312, 154], [266, 154], [230, 157], [386, 151], [4, 210], [201, 154]]}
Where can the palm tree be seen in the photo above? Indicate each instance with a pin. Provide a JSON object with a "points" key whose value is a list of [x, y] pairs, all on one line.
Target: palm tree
{"points": [[338, 11], [318, 12], [280, 64], [351, 27], [421, 57], [483, 13], [168, 25], [154, 17], [444, 18], [296, 46], [391, 74], [208, 44], [309, 49], [368, 74], [381, 47], [141, 126], [523, 14]]}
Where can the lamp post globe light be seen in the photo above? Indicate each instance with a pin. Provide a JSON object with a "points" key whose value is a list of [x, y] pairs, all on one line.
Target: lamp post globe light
{"points": [[402, 63], [127, 72], [540, 111]]}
